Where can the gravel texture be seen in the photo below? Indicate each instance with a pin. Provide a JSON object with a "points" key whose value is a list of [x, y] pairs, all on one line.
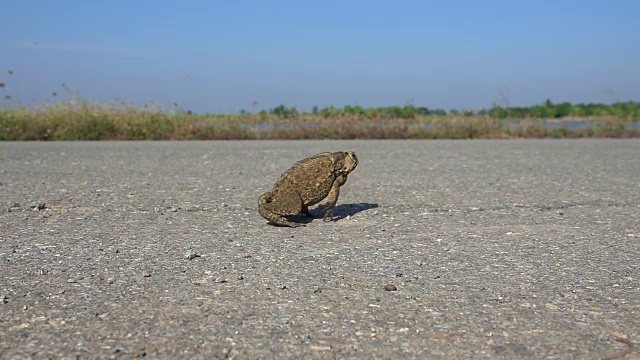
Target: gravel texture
{"points": [[502, 249]]}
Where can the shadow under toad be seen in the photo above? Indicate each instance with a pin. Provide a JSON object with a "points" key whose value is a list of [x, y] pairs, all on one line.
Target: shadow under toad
{"points": [[340, 212], [343, 210]]}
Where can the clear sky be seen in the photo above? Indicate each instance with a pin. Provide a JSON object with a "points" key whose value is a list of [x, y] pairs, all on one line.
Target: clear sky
{"points": [[221, 56]]}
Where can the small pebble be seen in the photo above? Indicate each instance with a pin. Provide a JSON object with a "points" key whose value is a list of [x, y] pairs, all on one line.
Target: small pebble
{"points": [[241, 277], [221, 280], [146, 274], [190, 255], [305, 338], [317, 289], [390, 287], [140, 353], [399, 274]]}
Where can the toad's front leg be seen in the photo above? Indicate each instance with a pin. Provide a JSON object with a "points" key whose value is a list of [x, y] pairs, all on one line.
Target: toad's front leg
{"points": [[332, 198]]}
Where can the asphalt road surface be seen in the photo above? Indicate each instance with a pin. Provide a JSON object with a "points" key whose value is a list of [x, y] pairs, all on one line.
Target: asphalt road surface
{"points": [[506, 249]]}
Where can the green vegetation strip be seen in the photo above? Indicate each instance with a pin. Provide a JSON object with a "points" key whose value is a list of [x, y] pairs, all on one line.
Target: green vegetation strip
{"points": [[83, 120]]}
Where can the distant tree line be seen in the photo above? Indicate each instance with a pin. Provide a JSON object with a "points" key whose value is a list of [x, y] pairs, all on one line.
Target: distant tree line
{"points": [[547, 110], [389, 112]]}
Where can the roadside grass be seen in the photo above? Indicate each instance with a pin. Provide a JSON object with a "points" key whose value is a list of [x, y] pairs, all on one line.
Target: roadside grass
{"points": [[86, 120]]}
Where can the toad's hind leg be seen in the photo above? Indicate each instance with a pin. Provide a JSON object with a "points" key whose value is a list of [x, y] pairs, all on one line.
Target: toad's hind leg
{"points": [[274, 208]]}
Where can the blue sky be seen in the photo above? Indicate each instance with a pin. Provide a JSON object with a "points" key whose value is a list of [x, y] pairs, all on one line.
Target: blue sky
{"points": [[220, 56]]}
